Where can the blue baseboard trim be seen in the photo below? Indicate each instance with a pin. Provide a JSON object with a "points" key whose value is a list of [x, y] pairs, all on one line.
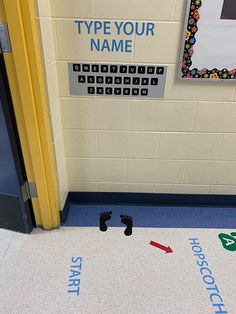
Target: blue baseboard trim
{"points": [[147, 199]]}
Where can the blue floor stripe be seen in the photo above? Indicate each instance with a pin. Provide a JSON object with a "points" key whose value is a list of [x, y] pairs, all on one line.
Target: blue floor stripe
{"points": [[154, 216]]}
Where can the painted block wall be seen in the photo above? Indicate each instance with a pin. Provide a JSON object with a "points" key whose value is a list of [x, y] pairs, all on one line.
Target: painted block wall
{"points": [[185, 143]]}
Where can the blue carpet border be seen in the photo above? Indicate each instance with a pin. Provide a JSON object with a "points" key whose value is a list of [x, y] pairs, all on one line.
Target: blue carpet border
{"points": [[145, 199]]}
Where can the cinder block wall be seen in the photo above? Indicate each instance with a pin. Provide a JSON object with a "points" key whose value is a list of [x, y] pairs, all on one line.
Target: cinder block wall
{"points": [[185, 143]]}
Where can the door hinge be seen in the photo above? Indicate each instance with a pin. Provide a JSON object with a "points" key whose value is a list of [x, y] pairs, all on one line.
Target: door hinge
{"points": [[5, 43], [29, 191]]}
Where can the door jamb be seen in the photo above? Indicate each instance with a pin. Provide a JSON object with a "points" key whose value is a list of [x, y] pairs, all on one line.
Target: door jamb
{"points": [[25, 74]]}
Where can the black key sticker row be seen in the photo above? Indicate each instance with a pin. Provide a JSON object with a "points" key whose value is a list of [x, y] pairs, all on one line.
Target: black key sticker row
{"points": [[132, 69], [117, 91], [117, 80]]}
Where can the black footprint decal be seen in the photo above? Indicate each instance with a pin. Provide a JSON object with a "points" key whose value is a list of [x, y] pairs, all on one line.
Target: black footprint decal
{"points": [[103, 218], [128, 221]]}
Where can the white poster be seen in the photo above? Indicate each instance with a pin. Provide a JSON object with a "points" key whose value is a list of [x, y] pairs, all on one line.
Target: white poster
{"points": [[210, 43]]}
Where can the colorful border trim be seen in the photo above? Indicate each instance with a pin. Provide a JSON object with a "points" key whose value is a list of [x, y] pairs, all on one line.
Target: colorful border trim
{"points": [[190, 41]]}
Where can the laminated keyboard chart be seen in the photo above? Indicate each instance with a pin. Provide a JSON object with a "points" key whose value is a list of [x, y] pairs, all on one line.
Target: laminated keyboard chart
{"points": [[112, 80]]}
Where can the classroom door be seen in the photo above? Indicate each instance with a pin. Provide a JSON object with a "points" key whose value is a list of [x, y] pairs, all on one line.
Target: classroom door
{"points": [[15, 210]]}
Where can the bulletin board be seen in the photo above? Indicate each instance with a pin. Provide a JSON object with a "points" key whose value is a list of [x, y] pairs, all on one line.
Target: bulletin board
{"points": [[209, 44]]}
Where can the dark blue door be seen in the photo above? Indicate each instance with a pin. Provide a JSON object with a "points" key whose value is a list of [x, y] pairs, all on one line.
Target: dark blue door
{"points": [[15, 214]]}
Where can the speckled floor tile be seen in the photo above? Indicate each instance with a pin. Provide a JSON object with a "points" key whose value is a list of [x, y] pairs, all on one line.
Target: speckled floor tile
{"points": [[5, 241], [116, 274]]}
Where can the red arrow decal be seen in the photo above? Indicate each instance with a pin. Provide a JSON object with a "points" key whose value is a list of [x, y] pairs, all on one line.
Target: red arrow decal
{"points": [[162, 247]]}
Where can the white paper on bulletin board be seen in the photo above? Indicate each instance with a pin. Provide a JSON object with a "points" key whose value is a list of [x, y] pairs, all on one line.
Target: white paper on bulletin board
{"points": [[209, 48]]}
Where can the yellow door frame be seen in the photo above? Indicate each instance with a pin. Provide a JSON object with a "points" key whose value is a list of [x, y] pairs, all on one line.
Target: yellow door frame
{"points": [[26, 79]]}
